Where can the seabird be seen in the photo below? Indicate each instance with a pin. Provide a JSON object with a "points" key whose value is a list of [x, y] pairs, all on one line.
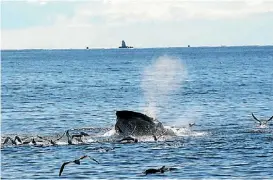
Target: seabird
{"points": [[161, 170], [71, 137], [155, 138], [191, 124], [14, 142], [79, 136], [50, 141], [33, 141], [128, 139], [262, 122], [18, 139], [153, 171], [76, 161]]}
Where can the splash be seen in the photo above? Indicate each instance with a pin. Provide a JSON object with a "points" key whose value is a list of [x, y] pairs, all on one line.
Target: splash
{"points": [[188, 116], [160, 80], [184, 131]]}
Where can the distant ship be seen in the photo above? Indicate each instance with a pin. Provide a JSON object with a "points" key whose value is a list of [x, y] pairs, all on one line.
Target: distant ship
{"points": [[123, 45]]}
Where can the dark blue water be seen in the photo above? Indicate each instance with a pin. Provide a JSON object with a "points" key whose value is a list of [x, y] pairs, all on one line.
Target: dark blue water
{"points": [[45, 92]]}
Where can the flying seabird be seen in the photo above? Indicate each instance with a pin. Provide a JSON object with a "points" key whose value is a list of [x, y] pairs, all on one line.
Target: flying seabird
{"points": [[14, 142], [191, 124], [76, 161], [262, 122]]}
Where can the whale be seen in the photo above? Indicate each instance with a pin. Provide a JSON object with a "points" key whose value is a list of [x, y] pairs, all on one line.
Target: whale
{"points": [[131, 123]]}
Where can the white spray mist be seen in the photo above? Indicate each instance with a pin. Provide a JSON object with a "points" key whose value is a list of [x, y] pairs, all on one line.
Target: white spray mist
{"points": [[160, 80]]}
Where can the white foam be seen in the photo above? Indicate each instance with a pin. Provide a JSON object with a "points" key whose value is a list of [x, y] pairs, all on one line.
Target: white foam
{"points": [[110, 133], [185, 131], [61, 143], [90, 140], [263, 126]]}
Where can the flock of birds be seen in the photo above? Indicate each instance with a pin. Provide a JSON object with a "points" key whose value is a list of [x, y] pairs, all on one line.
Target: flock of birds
{"points": [[78, 137], [71, 140], [129, 139]]}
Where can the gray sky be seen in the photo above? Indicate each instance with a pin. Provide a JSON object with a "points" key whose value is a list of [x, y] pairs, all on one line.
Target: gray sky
{"points": [[53, 24]]}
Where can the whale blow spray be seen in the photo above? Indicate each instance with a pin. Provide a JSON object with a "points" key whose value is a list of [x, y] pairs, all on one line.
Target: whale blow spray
{"points": [[160, 80]]}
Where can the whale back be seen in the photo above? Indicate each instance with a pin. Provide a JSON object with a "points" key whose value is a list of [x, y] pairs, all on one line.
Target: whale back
{"points": [[137, 124], [129, 115]]}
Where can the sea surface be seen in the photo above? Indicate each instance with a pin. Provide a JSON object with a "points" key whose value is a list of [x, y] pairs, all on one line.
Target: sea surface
{"points": [[46, 92]]}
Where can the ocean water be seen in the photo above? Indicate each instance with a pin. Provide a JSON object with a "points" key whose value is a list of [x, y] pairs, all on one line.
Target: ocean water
{"points": [[46, 92]]}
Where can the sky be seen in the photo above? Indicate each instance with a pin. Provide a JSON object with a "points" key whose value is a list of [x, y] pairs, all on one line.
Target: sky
{"points": [[64, 24]]}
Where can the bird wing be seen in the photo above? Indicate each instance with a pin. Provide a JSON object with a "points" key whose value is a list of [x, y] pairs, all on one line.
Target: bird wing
{"points": [[62, 167], [162, 169], [7, 139], [67, 134], [85, 156], [270, 119], [256, 118], [60, 137], [18, 139], [93, 159]]}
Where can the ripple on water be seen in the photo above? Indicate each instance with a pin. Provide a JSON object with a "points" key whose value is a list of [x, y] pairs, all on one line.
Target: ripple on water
{"points": [[45, 92]]}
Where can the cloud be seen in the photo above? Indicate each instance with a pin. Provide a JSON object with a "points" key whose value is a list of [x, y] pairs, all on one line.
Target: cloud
{"points": [[145, 23], [38, 2], [57, 36], [167, 10]]}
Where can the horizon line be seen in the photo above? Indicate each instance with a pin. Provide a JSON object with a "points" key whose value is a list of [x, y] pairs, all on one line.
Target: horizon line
{"points": [[159, 47]]}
